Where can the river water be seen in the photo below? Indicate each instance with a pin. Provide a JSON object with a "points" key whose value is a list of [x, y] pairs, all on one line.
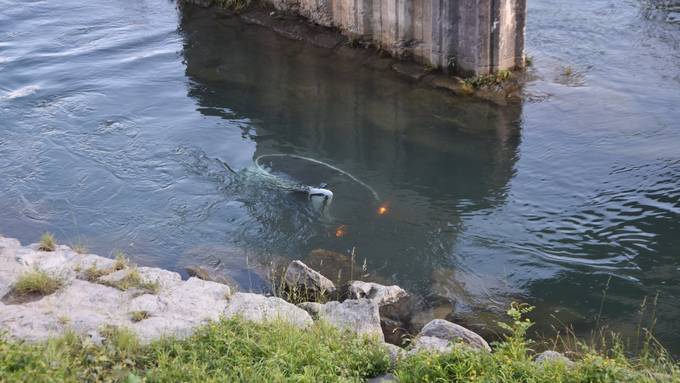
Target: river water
{"points": [[119, 121]]}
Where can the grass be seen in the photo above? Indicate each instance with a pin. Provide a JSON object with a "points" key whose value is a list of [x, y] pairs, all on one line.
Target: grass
{"points": [[134, 280], [138, 316], [47, 242], [36, 282], [488, 80], [512, 361], [294, 294], [80, 248], [237, 351], [121, 261], [93, 273], [226, 351]]}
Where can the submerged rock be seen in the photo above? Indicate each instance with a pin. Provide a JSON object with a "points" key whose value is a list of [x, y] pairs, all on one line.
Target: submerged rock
{"points": [[442, 310], [301, 277], [451, 332], [360, 316]]}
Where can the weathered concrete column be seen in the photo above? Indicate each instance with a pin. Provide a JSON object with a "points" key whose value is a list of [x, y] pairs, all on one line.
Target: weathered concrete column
{"points": [[467, 36]]}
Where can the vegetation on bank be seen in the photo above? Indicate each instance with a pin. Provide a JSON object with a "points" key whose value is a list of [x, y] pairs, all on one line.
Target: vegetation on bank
{"points": [[35, 283], [238, 351], [47, 242]]}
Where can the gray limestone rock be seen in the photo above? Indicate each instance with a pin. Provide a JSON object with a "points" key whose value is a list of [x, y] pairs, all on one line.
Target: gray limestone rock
{"points": [[552, 357], [258, 308], [451, 332], [360, 316], [300, 276]]}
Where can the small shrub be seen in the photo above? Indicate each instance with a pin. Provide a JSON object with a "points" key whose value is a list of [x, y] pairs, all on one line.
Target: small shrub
{"points": [[138, 316], [47, 242], [36, 282]]}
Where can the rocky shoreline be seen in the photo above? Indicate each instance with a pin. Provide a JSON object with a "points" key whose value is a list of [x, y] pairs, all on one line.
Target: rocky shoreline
{"points": [[91, 296], [96, 293]]}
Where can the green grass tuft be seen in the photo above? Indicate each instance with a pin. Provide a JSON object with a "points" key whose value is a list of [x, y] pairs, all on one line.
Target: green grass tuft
{"points": [[121, 261], [36, 282], [134, 280], [226, 351], [93, 273], [80, 248], [138, 316], [488, 80], [47, 242]]}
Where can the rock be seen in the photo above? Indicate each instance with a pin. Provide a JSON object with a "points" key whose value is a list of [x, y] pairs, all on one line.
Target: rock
{"points": [[80, 306], [387, 378], [209, 275], [164, 278], [179, 310], [442, 329], [379, 294], [552, 357], [394, 307], [442, 311], [258, 308], [395, 353], [333, 265], [431, 344], [300, 276], [410, 69], [453, 84], [394, 331], [360, 316]]}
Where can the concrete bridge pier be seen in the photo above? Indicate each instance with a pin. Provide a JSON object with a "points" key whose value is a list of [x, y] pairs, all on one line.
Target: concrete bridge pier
{"points": [[469, 37]]}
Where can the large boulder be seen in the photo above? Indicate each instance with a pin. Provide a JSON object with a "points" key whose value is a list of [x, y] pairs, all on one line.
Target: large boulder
{"points": [[336, 266], [394, 305], [302, 278], [377, 293], [360, 316], [451, 332], [431, 344], [179, 309], [258, 308]]}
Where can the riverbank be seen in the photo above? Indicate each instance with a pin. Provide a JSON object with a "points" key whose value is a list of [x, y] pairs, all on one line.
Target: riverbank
{"points": [[67, 315]]}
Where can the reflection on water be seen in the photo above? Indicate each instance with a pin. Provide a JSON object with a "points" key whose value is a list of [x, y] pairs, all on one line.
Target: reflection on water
{"points": [[120, 124]]}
